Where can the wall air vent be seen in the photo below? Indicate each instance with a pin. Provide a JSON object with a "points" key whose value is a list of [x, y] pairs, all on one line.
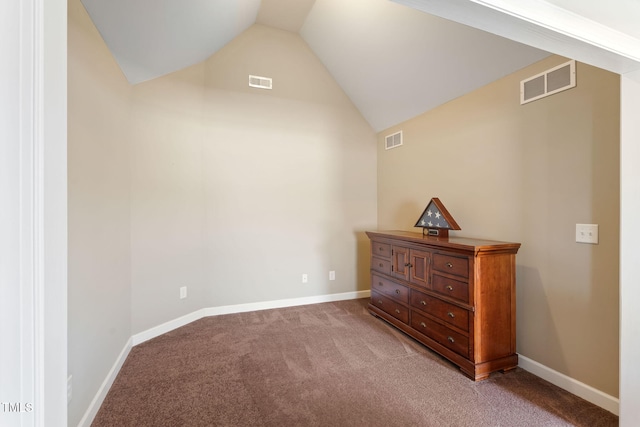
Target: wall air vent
{"points": [[393, 140], [547, 83], [260, 82]]}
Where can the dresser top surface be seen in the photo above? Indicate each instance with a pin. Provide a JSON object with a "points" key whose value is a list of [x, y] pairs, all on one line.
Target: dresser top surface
{"points": [[476, 245]]}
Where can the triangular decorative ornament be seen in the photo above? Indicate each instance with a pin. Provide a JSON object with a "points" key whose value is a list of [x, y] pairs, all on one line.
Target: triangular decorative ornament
{"points": [[436, 220]]}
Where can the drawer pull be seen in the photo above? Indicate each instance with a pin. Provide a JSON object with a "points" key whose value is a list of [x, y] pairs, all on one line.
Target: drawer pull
{"points": [[380, 284], [450, 288], [380, 301], [398, 291], [381, 249], [397, 311], [381, 265], [451, 339], [450, 314], [449, 265], [423, 302], [424, 325]]}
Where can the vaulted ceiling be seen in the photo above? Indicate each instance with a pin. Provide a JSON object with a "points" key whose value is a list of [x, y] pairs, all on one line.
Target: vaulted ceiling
{"points": [[393, 61]]}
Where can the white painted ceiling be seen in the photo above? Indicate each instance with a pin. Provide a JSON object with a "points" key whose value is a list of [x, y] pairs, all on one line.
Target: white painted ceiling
{"points": [[394, 62]]}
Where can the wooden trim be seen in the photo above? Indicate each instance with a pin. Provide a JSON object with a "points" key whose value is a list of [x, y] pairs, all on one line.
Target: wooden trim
{"points": [[31, 189], [478, 246]]}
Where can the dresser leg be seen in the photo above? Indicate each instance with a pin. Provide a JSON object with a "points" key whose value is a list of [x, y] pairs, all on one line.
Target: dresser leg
{"points": [[481, 377]]}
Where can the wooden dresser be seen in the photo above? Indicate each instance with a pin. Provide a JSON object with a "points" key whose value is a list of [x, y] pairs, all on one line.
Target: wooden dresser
{"points": [[454, 295]]}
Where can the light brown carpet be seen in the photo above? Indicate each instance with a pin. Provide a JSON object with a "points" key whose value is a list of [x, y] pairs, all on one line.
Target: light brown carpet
{"points": [[329, 364]]}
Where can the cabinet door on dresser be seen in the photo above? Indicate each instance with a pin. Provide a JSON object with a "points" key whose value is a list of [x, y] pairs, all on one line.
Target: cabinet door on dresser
{"points": [[419, 273], [411, 265], [400, 262]]}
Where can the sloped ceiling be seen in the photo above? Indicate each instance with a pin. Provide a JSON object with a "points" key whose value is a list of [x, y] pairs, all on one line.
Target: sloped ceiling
{"points": [[287, 15], [151, 38], [394, 62]]}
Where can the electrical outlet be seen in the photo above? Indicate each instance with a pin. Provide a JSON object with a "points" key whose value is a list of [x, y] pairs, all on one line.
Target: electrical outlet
{"points": [[332, 275], [183, 292], [69, 388], [587, 233], [305, 278]]}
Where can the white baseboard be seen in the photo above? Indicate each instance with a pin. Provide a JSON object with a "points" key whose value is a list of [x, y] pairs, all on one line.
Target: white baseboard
{"points": [[588, 393], [242, 308], [156, 331], [95, 404]]}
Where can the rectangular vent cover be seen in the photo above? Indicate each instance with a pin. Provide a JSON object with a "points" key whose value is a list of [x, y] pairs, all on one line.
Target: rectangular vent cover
{"points": [[260, 82], [547, 83], [393, 140]]}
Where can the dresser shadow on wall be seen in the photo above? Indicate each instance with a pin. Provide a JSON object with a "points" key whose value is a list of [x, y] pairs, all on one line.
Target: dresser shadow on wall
{"points": [[363, 255]]}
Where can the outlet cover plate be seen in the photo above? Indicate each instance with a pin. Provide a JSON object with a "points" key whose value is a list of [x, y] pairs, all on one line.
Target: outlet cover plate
{"points": [[587, 233]]}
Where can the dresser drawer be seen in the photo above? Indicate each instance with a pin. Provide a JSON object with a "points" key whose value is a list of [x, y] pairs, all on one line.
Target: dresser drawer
{"points": [[449, 313], [451, 288], [445, 336], [381, 265], [451, 264], [381, 249], [389, 288], [391, 307]]}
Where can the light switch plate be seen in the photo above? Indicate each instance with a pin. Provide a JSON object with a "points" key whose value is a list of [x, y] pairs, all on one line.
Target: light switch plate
{"points": [[587, 233]]}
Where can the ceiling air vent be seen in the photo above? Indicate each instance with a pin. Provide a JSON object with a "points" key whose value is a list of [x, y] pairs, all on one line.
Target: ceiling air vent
{"points": [[260, 82], [547, 83], [393, 140]]}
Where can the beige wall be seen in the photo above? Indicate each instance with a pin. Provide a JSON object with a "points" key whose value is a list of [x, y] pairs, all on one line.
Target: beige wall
{"points": [[528, 174], [99, 290], [196, 180], [236, 192]]}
